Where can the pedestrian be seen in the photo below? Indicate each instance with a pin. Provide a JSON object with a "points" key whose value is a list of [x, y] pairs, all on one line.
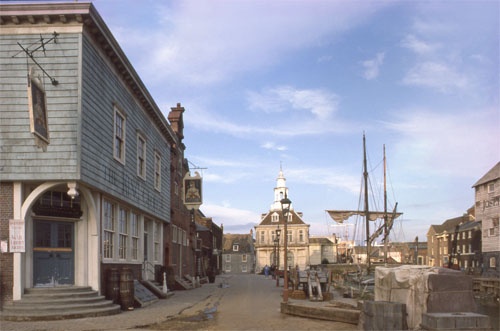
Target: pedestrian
{"points": [[266, 271]]}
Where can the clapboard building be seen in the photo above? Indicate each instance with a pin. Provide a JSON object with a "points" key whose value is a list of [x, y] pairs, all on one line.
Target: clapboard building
{"points": [[85, 156], [487, 208]]}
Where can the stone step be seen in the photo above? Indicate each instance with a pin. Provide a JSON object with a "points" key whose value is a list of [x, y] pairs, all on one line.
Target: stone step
{"points": [[38, 304], [46, 294], [48, 306], [59, 315]]}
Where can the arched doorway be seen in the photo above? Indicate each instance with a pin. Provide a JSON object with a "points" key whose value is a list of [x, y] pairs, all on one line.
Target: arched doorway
{"points": [[55, 214]]}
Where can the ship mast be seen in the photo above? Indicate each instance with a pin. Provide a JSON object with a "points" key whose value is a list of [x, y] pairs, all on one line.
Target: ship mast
{"points": [[385, 211], [367, 211]]}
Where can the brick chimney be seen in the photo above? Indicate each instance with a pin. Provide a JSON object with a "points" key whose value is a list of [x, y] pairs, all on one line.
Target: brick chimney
{"points": [[176, 121]]}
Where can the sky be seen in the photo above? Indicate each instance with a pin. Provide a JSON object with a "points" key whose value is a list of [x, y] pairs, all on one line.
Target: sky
{"points": [[296, 84]]}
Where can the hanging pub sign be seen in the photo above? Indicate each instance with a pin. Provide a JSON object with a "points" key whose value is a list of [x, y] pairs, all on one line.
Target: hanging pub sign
{"points": [[17, 239], [38, 111], [192, 190]]}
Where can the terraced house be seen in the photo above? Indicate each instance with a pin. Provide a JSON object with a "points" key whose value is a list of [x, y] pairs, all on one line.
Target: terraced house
{"points": [[487, 204], [86, 169]]}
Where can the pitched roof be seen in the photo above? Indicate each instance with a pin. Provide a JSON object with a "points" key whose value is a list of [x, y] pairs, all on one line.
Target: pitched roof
{"points": [[244, 241], [450, 224], [491, 175], [320, 240], [267, 219]]}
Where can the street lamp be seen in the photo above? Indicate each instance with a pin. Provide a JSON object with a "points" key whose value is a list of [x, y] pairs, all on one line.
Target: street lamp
{"points": [[285, 208], [277, 255]]}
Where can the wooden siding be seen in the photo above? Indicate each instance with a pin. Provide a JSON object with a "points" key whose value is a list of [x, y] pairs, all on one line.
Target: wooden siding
{"points": [[486, 210], [102, 88], [20, 158]]}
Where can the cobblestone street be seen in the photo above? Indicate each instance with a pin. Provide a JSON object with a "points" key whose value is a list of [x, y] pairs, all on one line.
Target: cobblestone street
{"points": [[245, 302]]}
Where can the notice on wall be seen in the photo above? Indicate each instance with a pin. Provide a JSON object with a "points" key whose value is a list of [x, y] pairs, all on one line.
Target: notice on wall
{"points": [[16, 236], [4, 246]]}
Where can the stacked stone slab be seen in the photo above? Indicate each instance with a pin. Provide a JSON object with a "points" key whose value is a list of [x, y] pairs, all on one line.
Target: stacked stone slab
{"points": [[426, 290]]}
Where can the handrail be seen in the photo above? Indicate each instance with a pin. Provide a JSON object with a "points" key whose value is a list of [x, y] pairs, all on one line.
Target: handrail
{"points": [[148, 267]]}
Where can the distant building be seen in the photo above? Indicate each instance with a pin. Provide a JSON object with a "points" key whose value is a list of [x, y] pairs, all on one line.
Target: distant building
{"points": [[238, 254], [440, 240], [297, 237], [465, 246], [208, 250], [487, 198], [322, 250]]}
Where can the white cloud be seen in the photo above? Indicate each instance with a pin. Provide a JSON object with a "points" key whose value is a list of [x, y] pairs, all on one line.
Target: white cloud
{"points": [[458, 143], [372, 66], [321, 103], [273, 146], [209, 121], [222, 214], [417, 45], [331, 177], [435, 75], [202, 43]]}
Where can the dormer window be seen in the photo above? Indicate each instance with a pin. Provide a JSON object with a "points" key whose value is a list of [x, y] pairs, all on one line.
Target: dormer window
{"points": [[275, 218], [236, 247]]}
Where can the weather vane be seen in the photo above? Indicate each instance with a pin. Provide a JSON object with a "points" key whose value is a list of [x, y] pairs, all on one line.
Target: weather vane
{"points": [[40, 44]]}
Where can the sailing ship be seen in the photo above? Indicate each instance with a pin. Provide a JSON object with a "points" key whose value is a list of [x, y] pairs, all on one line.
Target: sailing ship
{"points": [[368, 215]]}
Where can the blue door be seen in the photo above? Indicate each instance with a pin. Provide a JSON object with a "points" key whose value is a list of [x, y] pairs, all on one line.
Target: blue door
{"points": [[53, 257]]}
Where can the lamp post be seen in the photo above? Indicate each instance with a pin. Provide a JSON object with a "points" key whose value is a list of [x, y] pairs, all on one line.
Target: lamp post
{"points": [[277, 256], [285, 208]]}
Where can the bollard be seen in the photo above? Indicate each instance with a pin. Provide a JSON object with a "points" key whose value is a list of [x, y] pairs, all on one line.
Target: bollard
{"points": [[165, 289]]}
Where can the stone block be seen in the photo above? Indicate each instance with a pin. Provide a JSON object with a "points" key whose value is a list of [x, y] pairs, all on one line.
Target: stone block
{"points": [[384, 315], [455, 281], [455, 321]]}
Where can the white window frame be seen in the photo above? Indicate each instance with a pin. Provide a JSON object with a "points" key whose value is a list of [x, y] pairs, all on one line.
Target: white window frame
{"points": [[119, 135], [122, 233], [141, 155], [108, 225], [228, 258], [174, 234], [236, 248], [157, 172], [491, 187], [156, 241], [134, 234]]}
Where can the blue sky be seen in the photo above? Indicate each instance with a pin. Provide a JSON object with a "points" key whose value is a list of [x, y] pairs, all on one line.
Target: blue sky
{"points": [[297, 83]]}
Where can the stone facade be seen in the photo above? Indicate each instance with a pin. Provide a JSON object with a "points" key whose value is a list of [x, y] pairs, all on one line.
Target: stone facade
{"points": [[297, 238], [238, 254]]}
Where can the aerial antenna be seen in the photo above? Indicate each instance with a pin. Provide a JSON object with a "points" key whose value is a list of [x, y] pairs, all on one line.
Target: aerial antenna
{"points": [[195, 167]]}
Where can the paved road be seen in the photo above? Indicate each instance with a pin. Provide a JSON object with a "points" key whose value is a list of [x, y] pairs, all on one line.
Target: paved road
{"points": [[244, 302], [247, 302]]}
